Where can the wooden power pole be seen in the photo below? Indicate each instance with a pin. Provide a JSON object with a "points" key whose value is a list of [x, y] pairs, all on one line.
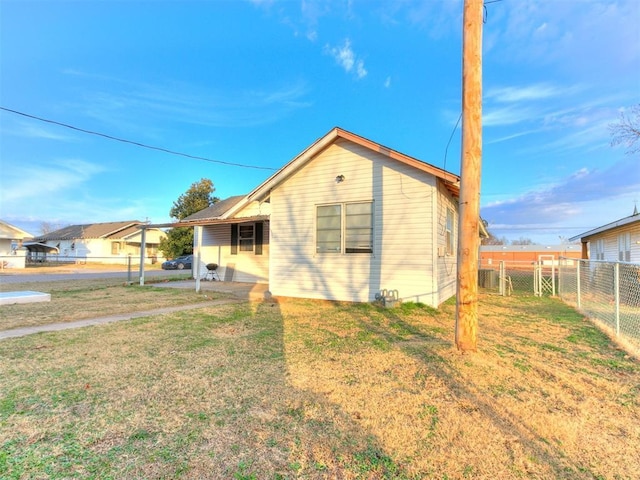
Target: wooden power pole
{"points": [[470, 170]]}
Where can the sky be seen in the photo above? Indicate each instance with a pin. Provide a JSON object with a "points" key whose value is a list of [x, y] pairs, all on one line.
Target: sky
{"points": [[248, 85]]}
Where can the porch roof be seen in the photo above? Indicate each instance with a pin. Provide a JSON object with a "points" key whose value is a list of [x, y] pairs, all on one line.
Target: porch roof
{"points": [[210, 221]]}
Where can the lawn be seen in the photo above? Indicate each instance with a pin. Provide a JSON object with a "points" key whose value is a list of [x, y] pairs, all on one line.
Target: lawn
{"points": [[82, 299], [310, 389]]}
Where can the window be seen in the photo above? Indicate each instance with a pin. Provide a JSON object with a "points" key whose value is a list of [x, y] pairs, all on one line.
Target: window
{"points": [[328, 228], [247, 238], [245, 235], [344, 228], [449, 232], [624, 247], [115, 248], [598, 249]]}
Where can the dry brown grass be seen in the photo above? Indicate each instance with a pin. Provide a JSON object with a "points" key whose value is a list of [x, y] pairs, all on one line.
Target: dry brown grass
{"points": [[306, 389], [82, 299]]}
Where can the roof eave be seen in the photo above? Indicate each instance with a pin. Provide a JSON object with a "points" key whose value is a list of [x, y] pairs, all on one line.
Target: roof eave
{"points": [[609, 226]]}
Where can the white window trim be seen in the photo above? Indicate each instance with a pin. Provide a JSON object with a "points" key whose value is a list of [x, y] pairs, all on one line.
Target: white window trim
{"points": [[624, 247], [343, 227], [449, 232]]}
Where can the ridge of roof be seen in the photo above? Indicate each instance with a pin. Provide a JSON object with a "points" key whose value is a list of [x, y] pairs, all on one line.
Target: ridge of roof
{"points": [[89, 230], [11, 232]]}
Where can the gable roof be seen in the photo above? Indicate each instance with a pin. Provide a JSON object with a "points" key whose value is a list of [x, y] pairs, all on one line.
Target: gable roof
{"points": [[451, 181], [11, 232], [609, 226], [215, 211], [93, 230]]}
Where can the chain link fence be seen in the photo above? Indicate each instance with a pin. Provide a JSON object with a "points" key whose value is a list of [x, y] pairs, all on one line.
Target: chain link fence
{"points": [[58, 267], [608, 292], [512, 277]]}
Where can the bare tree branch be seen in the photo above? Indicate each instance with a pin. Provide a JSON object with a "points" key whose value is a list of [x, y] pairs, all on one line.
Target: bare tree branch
{"points": [[627, 130]]}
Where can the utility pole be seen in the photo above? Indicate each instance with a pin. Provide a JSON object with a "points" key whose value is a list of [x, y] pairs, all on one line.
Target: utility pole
{"points": [[470, 170]]}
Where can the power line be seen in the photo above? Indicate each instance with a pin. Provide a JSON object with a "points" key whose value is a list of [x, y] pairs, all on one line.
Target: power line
{"points": [[138, 144]]}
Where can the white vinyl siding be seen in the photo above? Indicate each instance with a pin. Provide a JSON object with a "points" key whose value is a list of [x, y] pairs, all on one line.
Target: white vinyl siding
{"points": [[623, 241], [446, 234], [402, 237], [246, 266]]}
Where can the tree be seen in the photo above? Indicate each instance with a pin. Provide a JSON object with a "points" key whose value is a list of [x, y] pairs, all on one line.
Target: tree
{"points": [[522, 241], [627, 130], [492, 239], [179, 240], [48, 227]]}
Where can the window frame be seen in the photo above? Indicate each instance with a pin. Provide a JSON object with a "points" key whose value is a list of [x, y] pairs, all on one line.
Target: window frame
{"points": [[449, 232], [347, 232], [246, 243], [624, 247]]}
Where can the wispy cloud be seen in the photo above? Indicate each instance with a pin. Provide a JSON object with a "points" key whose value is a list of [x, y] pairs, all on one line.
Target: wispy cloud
{"points": [[347, 59], [511, 94], [564, 201], [131, 106], [35, 131], [44, 180]]}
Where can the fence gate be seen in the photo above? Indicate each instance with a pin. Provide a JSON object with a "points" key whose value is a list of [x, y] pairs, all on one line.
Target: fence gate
{"points": [[544, 276]]}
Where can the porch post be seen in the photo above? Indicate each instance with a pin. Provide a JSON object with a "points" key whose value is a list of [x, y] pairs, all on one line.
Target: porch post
{"points": [[196, 256], [143, 247]]}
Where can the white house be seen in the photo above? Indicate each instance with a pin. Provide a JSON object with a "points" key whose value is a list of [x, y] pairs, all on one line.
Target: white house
{"points": [[12, 254], [110, 242], [344, 220], [616, 241]]}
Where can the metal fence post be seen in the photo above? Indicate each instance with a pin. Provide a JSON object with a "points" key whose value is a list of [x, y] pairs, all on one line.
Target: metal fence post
{"points": [[578, 283], [616, 293], [129, 282], [502, 280]]}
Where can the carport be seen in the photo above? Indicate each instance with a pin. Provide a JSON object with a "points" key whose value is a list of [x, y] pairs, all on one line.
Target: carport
{"points": [[40, 250]]}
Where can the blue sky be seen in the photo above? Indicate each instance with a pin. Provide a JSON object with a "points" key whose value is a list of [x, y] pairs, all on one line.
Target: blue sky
{"points": [[256, 82]]}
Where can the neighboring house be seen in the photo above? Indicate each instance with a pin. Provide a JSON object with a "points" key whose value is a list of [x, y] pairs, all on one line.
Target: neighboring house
{"points": [[344, 220], [12, 254], [616, 241], [492, 255], [108, 242]]}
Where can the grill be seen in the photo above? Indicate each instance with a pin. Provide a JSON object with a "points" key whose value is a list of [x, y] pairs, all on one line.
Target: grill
{"points": [[212, 273]]}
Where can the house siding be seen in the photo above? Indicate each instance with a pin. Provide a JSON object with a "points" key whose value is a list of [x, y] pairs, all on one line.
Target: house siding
{"points": [[610, 238], [246, 266], [403, 242], [447, 264]]}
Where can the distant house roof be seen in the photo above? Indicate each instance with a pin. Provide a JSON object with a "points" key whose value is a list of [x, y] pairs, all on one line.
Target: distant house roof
{"points": [[609, 226], [114, 230], [11, 232]]}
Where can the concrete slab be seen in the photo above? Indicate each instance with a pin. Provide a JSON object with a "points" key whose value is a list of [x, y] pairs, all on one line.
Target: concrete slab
{"points": [[27, 296]]}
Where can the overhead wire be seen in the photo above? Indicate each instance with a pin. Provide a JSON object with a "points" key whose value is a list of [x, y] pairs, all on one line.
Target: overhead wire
{"points": [[132, 142]]}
